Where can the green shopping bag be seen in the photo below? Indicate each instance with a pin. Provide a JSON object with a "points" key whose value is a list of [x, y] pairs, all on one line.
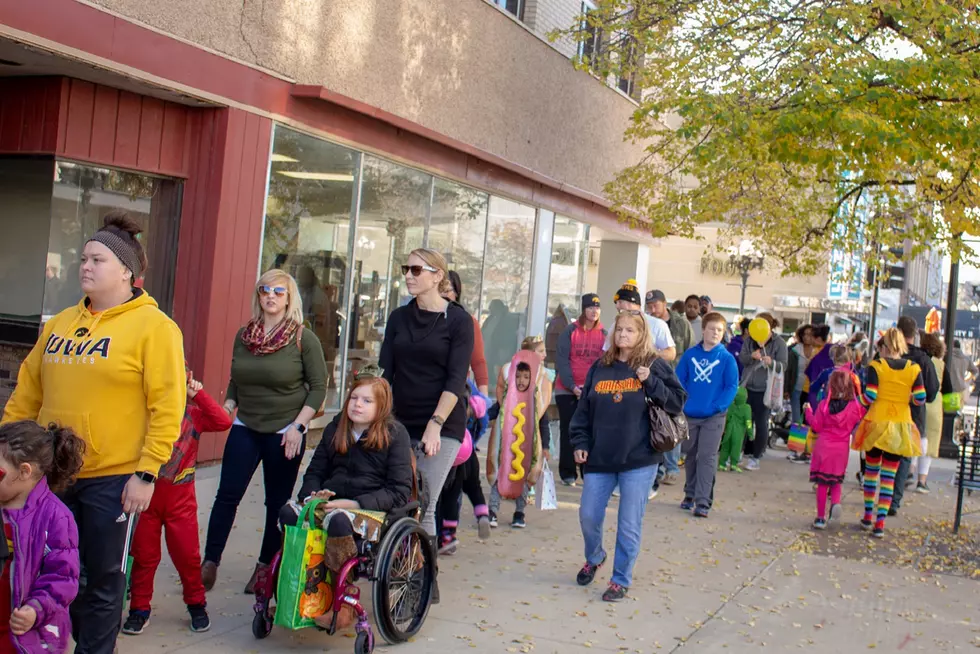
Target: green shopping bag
{"points": [[952, 402], [304, 589]]}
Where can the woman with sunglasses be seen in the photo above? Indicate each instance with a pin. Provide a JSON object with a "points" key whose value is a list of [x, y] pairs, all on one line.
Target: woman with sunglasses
{"points": [[278, 383], [426, 358]]}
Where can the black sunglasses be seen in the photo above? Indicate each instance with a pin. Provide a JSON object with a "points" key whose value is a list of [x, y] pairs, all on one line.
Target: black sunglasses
{"points": [[417, 270]]}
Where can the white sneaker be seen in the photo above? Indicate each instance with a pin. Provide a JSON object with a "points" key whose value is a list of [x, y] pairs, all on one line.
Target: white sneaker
{"points": [[752, 464], [616, 492], [653, 494]]}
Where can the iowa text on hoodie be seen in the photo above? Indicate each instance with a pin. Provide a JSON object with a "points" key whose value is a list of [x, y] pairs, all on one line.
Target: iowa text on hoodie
{"points": [[117, 378], [710, 378]]}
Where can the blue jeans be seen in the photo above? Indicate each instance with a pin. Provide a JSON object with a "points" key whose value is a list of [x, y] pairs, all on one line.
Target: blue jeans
{"points": [[670, 460], [634, 486], [794, 402]]}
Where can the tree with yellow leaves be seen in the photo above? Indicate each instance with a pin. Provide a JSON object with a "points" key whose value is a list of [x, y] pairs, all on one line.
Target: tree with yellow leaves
{"points": [[783, 117]]}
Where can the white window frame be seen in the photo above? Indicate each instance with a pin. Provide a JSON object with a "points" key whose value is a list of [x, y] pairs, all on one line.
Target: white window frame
{"points": [[587, 6], [519, 14]]}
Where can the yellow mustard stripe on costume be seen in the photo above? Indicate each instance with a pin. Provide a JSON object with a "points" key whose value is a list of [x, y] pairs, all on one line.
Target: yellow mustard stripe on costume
{"points": [[515, 447]]}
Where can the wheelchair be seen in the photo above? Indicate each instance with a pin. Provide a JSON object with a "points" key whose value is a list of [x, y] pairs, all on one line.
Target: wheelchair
{"points": [[401, 567]]}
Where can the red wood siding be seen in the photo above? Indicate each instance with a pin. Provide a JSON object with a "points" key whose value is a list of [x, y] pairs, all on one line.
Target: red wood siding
{"points": [[220, 233], [29, 111], [93, 123], [115, 128]]}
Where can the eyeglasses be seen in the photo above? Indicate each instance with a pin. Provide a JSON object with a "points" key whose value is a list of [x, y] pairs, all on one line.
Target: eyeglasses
{"points": [[632, 312], [417, 270], [279, 291]]}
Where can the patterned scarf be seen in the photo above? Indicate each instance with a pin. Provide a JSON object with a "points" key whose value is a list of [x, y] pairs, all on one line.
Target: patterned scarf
{"points": [[259, 343]]}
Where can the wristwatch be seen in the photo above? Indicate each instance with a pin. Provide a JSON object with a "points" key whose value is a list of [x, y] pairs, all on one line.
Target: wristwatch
{"points": [[439, 420], [147, 477], [301, 428]]}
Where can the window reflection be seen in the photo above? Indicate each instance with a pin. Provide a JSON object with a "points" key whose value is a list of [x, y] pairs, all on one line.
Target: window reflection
{"points": [[307, 233], [458, 229], [82, 195], [391, 223], [506, 279], [569, 266]]}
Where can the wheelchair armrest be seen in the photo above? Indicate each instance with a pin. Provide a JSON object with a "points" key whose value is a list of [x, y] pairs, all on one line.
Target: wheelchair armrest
{"points": [[406, 511]]}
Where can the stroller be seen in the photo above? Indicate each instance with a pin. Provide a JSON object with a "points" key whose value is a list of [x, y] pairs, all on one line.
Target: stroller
{"points": [[779, 425]]}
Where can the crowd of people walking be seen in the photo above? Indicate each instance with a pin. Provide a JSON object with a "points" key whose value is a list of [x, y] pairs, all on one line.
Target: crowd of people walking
{"points": [[107, 414]]}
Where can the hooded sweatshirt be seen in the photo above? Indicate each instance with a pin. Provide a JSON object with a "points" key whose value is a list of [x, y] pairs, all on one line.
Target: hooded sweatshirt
{"points": [[612, 421], [710, 378], [738, 420], [754, 373], [116, 378]]}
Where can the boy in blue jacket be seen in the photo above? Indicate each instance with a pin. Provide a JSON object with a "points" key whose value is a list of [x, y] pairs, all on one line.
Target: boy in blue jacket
{"points": [[710, 376]]}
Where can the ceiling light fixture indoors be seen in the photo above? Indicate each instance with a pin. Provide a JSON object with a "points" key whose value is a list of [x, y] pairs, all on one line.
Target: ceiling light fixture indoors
{"points": [[322, 177]]}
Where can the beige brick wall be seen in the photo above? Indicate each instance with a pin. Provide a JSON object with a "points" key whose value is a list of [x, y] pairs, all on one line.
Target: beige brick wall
{"points": [[462, 68], [545, 16]]}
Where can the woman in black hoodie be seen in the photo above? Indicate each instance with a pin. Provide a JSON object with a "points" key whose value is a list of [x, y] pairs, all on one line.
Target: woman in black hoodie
{"points": [[610, 433]]}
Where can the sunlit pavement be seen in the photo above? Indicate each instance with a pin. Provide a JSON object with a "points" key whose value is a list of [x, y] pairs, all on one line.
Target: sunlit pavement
{"points": [[752, 575]]}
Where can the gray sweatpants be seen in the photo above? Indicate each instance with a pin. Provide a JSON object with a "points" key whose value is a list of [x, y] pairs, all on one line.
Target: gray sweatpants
{"points": [[435, 470], [701, 457], [520, 502]]}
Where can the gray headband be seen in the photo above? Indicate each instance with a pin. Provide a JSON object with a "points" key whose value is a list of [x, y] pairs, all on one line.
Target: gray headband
{"points": [[119, 247]]}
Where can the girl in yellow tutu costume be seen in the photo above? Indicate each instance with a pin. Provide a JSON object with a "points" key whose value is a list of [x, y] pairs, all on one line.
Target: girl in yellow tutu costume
{"points": [[887, 432]]}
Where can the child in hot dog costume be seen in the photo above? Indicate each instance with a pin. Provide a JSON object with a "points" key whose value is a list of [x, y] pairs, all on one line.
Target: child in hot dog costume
{"points": [[514, 457]]}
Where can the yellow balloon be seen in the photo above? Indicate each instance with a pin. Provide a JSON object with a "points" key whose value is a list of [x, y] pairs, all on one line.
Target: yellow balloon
{"points": [[760, 331]]}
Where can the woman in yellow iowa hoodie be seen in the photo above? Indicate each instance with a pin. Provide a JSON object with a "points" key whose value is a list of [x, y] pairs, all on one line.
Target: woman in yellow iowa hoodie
{"points": [[112, 369]]}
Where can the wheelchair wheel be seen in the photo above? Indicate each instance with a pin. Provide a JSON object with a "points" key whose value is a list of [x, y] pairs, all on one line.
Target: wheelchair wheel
{"points": [[404, 572], [261, 625]]}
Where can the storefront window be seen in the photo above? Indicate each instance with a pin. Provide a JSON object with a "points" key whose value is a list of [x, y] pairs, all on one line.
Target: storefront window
{"points": [[307, 234], [25, 222], [506, 279], [390, 224], [81, 197], [458, 229], [569, 265]]}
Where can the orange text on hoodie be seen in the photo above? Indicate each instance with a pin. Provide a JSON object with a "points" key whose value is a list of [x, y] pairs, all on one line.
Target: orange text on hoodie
{"points": [[117, 378]]}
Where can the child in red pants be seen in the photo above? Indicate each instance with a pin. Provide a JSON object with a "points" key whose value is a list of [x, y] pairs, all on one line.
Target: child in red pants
{"points": [[174, 509]]}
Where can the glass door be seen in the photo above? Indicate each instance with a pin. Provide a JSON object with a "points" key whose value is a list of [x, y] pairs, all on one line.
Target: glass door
{"points": [[391, 221]]}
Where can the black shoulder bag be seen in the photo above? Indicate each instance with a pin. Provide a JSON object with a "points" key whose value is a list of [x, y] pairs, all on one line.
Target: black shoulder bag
{"points": [[666, 431]]}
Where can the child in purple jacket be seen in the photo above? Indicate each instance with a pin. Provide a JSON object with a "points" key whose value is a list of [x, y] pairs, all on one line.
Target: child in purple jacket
{"points": [[40, 574]]}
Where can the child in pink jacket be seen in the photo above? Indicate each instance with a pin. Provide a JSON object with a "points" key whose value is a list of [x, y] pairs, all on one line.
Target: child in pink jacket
{"points": [[833, 421]]}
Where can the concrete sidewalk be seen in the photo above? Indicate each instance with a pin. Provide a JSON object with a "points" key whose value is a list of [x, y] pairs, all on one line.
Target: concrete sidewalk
{"points": [[752, 575]]}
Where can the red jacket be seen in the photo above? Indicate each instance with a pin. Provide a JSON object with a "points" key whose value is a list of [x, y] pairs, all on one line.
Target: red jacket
{"points": [[578, 349], [203, 414]]}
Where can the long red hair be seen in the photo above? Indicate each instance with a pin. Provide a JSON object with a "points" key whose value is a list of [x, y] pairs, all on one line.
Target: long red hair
{"points": [[378, 435]]}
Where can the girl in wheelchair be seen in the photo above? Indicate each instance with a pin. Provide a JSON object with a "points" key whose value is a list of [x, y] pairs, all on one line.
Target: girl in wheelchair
{"points": [[363, 473], [364, 460]]}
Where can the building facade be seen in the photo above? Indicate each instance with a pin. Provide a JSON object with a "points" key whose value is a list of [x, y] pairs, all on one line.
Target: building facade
{"points": [[326, 138]]}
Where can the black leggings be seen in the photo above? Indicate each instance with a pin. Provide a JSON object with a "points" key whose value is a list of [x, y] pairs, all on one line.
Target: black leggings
{"points": [[567, 469], [760, 416], [467, 480]]}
